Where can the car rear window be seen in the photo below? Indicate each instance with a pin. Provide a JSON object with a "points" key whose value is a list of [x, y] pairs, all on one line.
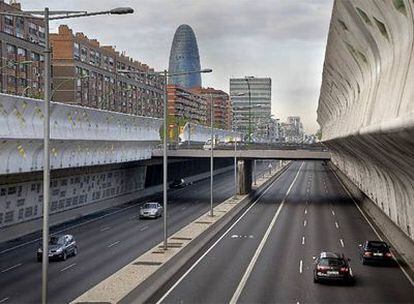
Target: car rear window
{"points": [[377, 245], [331, 262]]}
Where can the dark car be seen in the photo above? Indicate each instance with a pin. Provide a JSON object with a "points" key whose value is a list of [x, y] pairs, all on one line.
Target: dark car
{"points": [[330, 266], [375, 251], [178, 183], [60, 247]]}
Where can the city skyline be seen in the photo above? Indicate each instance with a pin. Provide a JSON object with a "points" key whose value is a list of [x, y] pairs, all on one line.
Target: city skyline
{"points": [[284, 42]]}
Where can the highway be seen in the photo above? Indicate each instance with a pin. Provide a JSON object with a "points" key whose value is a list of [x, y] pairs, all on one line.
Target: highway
{"points": [[266, 255], [106, 243]]}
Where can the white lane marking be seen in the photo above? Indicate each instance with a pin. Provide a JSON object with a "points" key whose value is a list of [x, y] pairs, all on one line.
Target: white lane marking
{"points": [[105, 229], [372, 226], [12, 267], [333, 213], [4, 300], [216, 242], [304, 223], [303, 240], [113, 244], [342, 242], [259, 249], [336, 225], [143, 228], [306, 211], [300, 266], [68, 267], [66, 229]]}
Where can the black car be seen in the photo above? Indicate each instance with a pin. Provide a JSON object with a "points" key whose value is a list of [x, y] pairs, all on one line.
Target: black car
{"points": [[375, 251], [178, 183], [60, 247], [330, 266]]}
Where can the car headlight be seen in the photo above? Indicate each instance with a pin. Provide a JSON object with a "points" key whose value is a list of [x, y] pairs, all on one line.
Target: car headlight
{"points": [[59, 250], [39, 250]]}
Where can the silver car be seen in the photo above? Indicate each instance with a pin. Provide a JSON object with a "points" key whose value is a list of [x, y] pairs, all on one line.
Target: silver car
{"points": [[150, 210], [60, 247]]}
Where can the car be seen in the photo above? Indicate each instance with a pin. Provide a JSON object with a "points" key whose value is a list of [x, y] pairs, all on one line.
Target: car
{"points": [[60, 247], [375, 251], [330, 266], [178, 183], [150, 210]]}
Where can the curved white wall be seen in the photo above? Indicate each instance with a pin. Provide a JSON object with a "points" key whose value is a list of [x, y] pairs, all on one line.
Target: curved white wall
{"points": [[366, 105]]}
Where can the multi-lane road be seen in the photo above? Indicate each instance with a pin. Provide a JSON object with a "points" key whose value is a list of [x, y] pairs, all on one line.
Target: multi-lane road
{"points": [[107, 242], [266, 255]]}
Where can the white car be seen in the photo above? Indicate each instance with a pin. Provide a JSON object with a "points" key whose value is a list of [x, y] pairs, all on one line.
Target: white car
{"points": [[150, 210]]}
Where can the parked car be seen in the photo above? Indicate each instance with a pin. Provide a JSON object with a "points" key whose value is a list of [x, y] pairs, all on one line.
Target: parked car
{"points": [[375, 251], [60, 247], [178, 183], [150, 210], [330, 266]]}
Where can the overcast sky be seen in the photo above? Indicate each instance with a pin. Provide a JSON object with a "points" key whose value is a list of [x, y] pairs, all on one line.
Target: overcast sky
{"points": [[281, 39]]}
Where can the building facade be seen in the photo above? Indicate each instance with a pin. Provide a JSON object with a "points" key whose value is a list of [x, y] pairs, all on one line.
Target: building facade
{"points": [[22, 42], [222, 107], [251, 101], [184, 57], [85, 73], [184, 106]]}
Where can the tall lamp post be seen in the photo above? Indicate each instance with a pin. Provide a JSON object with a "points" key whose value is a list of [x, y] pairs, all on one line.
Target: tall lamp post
{"points": [[45, 15], [165, 74], [250, 109], [212, 153]]}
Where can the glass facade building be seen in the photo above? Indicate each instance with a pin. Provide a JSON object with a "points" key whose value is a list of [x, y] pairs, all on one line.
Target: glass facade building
{"points": [[184, 57]]}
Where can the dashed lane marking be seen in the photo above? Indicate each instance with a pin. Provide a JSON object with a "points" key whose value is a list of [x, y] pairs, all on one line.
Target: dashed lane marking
{"points": [[333, 213], [68, 267], [342, 242], [4, 300], [304, 223], [12, 267], [303, 240], [306, 211], [143, 228], [105, 229], [336, 225], [300, 266], [113, 244]]}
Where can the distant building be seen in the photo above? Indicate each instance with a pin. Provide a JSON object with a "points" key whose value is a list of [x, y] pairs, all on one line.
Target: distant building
{"points": [[184, 57], [292, 130], [222, 107], [251, 101], [22, 42], [85, 73], [184, 106]]}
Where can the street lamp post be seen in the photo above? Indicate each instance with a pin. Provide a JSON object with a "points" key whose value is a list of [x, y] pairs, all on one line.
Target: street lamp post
{"points": [[211, 154], [45, 16], [165, 74], [250, 113], [235, 144]]}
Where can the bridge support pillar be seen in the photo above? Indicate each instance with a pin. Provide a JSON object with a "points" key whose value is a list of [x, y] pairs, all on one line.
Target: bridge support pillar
{"points": [[244, 176]]}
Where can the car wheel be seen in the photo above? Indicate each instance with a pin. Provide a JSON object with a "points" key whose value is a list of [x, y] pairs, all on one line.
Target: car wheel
{"points": [[75, 251], [64, 256], [39, 259], [315, 280], [364, 262]]}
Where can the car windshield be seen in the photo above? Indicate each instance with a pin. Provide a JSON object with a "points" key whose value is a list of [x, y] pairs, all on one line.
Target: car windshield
{"points": [[377, 245], [57, 240], [150, 205], [331, 262]]}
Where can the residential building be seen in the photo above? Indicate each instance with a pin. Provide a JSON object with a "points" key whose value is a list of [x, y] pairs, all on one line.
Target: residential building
{"points": [[221, 104], [292, 130], [184, 57], [22, 42], [251, 99], [85, 73]]}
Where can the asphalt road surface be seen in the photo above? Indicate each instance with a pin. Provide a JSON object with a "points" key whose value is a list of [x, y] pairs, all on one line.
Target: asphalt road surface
{"points": [[106, 243], [266, 255]]}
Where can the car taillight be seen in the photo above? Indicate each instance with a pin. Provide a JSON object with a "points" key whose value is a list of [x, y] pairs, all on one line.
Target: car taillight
{"points": [[367, 253], [388, 254], [322, 268], [344, 269]]}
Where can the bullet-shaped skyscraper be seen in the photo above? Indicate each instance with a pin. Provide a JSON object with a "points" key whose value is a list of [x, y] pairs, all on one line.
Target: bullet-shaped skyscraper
{"points": [[184, 57]]}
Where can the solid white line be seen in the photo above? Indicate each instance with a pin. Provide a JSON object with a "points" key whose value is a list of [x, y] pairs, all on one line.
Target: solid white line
{"points": [[303, 240], [300, 266], [66, 229], [215, 243], [304, 223], [372, 226], [333, 213], [113, 244], [336, 225], [68, 267], [12, 267], [342, 242], [104, 229], [4, 300], [259, 249], [143, 228]]}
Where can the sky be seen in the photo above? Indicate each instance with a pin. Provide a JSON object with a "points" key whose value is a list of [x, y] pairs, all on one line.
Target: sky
{"points": [[281, 39]]}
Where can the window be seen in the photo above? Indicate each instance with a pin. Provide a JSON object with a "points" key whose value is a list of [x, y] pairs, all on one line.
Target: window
{"points": [[11, 190], [76, 52], [20, 202], [2, 191], [54, 205], [9, 216], [8, 20], [11, 49], [28, 212]]}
